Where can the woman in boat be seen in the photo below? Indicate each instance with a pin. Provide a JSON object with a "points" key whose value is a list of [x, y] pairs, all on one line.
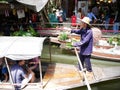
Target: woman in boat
{"points": [[85, 44]]}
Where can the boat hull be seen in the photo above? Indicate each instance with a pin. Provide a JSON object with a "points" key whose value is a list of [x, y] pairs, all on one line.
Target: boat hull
{"points": [[105, 56]]}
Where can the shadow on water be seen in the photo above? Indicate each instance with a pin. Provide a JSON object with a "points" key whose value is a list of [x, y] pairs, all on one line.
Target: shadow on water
{"points": [[65, 56]]}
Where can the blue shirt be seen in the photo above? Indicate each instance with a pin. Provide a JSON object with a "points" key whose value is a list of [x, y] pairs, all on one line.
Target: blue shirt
{"points": [[4, 70], [17, 73], [86, 42], [91, 16]]}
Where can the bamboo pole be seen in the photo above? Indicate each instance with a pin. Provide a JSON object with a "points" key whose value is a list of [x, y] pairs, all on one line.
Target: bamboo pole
{"points": [[86, 80]]}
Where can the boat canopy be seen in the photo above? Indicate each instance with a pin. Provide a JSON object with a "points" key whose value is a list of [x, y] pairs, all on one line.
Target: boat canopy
{"points": [[21, 48], [37, 5]]}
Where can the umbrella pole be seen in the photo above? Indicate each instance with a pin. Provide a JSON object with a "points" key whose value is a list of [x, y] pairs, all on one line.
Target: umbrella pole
{"points": [[86, 80], [11, 80]]}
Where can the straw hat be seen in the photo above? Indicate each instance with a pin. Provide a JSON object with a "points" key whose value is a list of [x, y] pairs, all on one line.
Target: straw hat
{"points": [[86, 20]]}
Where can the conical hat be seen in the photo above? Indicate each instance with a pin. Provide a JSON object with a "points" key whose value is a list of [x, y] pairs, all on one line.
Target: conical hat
{"points": [[86, 20]]}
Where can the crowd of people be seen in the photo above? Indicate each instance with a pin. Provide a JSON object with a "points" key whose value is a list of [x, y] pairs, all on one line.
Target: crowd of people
{"points": [[105, 16], [108, 17]]}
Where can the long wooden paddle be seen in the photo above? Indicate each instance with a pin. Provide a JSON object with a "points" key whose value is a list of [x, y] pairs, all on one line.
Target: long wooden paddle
{"points": [[79, 62]]}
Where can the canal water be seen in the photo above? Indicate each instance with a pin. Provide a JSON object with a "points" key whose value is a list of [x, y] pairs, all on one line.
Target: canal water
{"points": [[68, 57]]}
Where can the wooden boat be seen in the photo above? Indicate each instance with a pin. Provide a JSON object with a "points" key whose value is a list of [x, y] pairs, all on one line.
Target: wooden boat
{"points": [[58, 76], [65, 76], [49, 31], [101, 53]]}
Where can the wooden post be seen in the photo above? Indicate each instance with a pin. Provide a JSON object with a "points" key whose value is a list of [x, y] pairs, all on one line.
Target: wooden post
{"points": [[41, 82], [11, 80], [50, 48]]}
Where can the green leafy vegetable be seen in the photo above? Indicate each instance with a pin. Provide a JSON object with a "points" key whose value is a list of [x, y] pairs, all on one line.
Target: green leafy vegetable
{"points": [[63, 36], [29, 32], [115, 39]]}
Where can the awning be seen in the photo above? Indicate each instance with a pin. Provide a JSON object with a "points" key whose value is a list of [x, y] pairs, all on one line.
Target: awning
{"points": [[37, 5], [21, 48]]}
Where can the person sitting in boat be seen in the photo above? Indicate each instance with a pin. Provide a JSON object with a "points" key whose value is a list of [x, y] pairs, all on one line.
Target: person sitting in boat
{"points": [[3, 71], [85, 44], [34, 66], [19, 74]]}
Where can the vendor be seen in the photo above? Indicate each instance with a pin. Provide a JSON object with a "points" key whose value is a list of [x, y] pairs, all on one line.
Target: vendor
{"points": [[85, 44]]}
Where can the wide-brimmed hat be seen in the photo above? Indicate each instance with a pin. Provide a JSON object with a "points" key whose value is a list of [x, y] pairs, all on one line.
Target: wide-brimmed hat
{"points": [[86, 20]]}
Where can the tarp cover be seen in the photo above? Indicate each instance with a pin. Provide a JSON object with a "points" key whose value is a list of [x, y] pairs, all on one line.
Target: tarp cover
{"points": [[38, 4], [21, 48]]}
